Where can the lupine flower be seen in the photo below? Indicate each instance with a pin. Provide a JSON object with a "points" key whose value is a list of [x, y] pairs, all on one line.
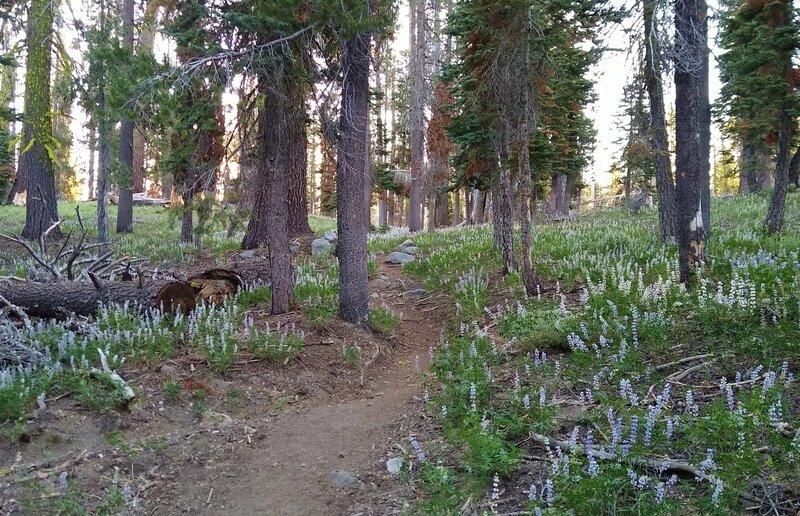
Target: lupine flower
{"points": [[418, 451], [594, 468], [473, 393], [495, 488], [542, 397], [548, 492], [719, 485], [632, 437], [708, 463], [526, 402]]}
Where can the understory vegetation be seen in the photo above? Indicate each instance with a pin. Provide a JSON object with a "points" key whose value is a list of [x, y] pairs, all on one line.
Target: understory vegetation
{"points": [[614, 390], [654, 399]]}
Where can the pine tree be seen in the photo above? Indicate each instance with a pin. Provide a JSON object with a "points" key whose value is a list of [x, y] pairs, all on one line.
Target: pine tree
{"points": [[38, 143]]}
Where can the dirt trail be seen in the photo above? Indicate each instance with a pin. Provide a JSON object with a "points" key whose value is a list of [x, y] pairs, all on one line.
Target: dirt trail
{"points": [[269, 450], [294, 468]]}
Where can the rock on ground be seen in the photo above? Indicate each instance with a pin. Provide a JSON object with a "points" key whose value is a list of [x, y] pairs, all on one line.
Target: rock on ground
{"points": [[398, 258], [320, 247]]}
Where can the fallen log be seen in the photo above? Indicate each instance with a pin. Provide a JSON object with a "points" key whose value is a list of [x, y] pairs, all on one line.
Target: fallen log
{"points": [[58, 299]]}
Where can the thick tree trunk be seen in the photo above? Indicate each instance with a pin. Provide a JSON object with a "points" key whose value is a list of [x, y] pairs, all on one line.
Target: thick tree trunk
{"points": [[559, 196], [478, 207], [350, 179], [383, 218], [504, 215], [691, 233], [37, 167], [777, 203], [270, 221], [56, 300], [753, 164], [665, 187], [297, 163], [187, 222], [125, 208], [417, 70]]}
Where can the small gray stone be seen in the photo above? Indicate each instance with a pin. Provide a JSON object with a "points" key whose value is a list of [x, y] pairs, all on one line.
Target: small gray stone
{"points": [[168, 369], [342, 478], [294, 246], [407, 243], [394, 465], [398, 258], [381, 283], [320, 247], [417, 293], [409, 250], [250, 253], [330, 236], [213, 419]]}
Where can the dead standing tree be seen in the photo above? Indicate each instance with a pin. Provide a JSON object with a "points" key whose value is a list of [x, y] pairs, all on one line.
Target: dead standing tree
{"points": [[688, 58]]}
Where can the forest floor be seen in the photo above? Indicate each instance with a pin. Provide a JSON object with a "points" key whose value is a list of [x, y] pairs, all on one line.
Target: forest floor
{"points": [[614, 390], [311, 436]]}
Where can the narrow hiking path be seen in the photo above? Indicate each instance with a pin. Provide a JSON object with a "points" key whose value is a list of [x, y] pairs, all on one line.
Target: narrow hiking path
{"points": [[323, 457], [310, 436]]}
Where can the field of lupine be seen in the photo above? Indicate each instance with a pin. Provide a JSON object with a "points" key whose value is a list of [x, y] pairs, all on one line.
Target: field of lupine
{"points": [[616, 391]]}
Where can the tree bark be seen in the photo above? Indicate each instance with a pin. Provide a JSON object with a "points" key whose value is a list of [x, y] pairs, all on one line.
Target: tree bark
{"points": [[41, 210], [270, 221], [794, 168], [559, 196], [417, 70], [297, 163], [92, 192], [753, 164], [659, 142], [691, 233], [56, 300], [350, 179], [125, 208], [478, 207], [777, 203], [704, 115]]}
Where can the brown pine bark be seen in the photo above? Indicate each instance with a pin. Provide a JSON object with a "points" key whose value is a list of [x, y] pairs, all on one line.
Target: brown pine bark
{"points": [[270, 221], [350, 180], [691, 233], [297, 163], [659, 142]]}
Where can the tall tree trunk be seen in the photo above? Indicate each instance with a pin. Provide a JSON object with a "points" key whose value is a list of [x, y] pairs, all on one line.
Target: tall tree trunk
{"points": [[505, 213], [417, 70], [104, 165], [146, 39], [478, 207], [350, 179], [794, 168], [41, 210], [691, 233], [8, 80], [457, 207], [125, 208], [777, 203], [90, 181], [753, 164], [704, 121], [297, 141], [383, 216], [270, 221], [659, 142], [559, 196]]}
